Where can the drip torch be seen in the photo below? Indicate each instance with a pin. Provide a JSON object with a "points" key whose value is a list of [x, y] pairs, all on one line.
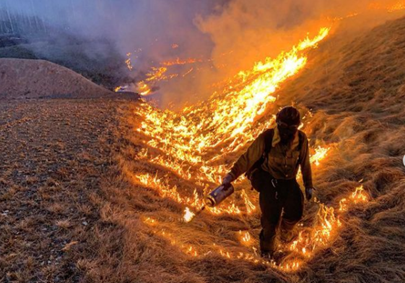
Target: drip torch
{"points": [[219, 194]]}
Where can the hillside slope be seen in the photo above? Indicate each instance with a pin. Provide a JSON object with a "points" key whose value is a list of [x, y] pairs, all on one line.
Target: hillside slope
{"points": [[23, 78], [354, 87]]}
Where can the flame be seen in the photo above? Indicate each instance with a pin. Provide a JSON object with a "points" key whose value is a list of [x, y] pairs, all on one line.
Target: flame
{"points": [[309, 240], [229, 120], [400, 5], [320, 153], [144, 89], [397, 7], [343, 204], [188, 72], [179, 61], [359, 195], [313, 43], [159, 74], [348, 16], [327, 223], [245, 238], [187, 145], [188, 215], [128, 62], [250, 207], [154, 76]]}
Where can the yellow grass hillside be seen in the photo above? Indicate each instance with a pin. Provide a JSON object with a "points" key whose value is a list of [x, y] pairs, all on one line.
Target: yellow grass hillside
{"points": [[24, 78]]}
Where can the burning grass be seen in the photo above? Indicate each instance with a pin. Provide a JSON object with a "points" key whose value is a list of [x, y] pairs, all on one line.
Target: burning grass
{"points": [[195, 136], [222, 245]]}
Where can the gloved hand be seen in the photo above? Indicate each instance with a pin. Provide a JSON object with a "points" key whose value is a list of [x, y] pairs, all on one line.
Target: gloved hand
{"points": [[308, 193], [227, 179]]}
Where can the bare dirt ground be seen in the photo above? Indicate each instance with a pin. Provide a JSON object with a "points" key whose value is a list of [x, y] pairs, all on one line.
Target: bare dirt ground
{"points": [[55, 160]]}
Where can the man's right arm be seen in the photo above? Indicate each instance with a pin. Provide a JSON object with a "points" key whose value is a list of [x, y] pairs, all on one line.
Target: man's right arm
{"points": [[253, 153]]}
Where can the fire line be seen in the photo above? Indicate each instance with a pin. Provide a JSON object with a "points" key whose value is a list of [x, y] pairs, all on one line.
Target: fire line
{"points": [[187, 143]]}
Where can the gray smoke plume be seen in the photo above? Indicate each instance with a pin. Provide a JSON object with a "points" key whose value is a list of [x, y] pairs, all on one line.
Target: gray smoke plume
{"points": [[225, 35]]}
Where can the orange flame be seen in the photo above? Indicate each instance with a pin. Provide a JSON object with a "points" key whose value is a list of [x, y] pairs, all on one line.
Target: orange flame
{"points": [[397, 7], [187, 145], [188, 215], [359, 195], [128, 62], [226, 121], [144, 89], [309, 240], [179, 61], [320, 153], [245, 238]]}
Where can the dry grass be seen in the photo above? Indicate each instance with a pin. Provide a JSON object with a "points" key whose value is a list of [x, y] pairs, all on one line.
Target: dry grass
{"points": [[351, 88], [50, 180]]}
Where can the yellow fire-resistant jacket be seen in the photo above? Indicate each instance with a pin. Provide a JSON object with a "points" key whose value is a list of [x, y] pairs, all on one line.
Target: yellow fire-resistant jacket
{"points": [[283, 160]]}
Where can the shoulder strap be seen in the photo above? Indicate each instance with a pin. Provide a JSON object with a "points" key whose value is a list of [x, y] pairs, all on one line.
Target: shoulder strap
{"points": [[301, 140], [300, 143], [268, 139]]}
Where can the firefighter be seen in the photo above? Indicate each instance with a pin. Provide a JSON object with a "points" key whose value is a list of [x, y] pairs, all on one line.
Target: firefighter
{"points": [[272, 163]]}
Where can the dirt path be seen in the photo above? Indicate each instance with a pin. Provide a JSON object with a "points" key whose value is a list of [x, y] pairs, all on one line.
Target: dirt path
{"points": [[55, 155]]}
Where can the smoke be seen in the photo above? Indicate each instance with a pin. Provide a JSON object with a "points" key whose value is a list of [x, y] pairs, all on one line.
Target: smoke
{"points": [[132, 25], [147, 29], [253, 30], [224, 36]]}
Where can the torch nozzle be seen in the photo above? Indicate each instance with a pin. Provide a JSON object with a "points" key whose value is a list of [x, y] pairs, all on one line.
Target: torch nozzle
{"points": [[201, 210]]}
